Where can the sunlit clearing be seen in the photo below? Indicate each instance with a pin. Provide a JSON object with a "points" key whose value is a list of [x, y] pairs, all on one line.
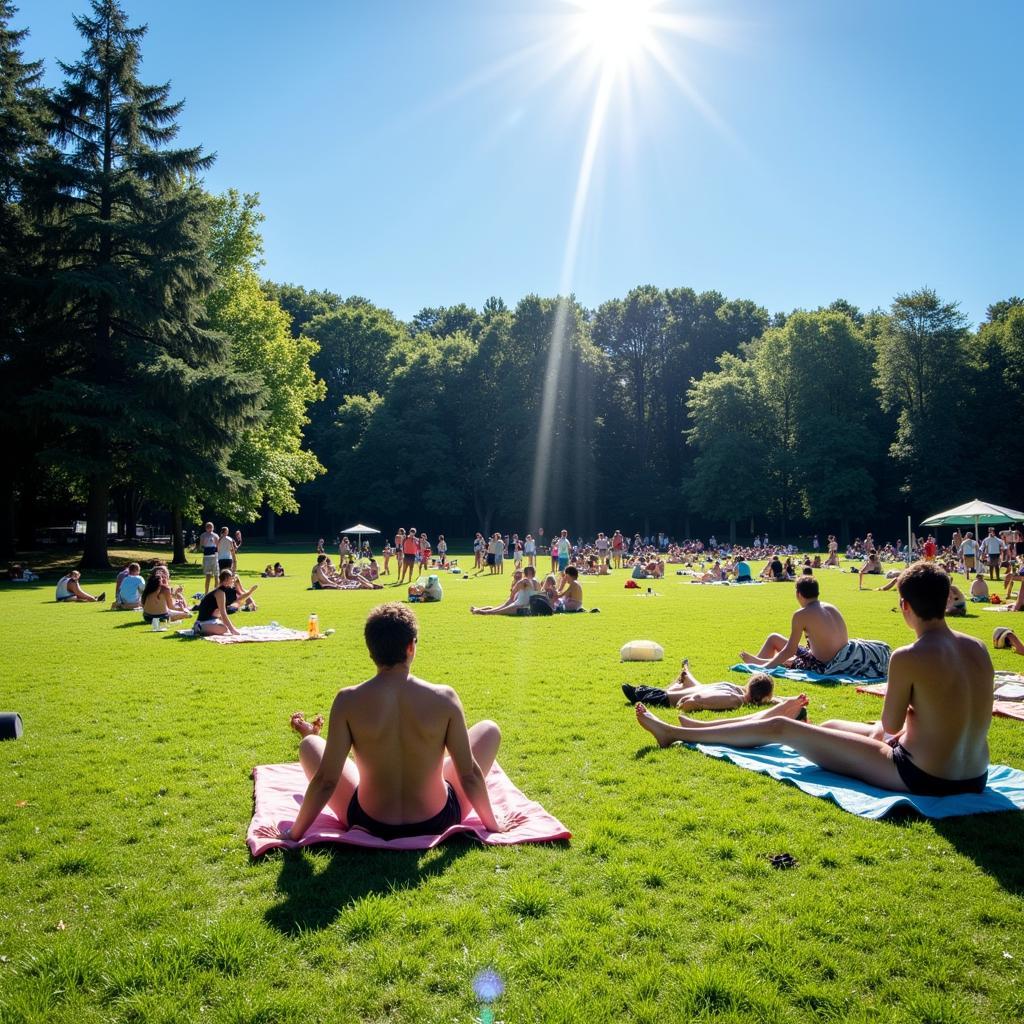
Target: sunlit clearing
{"points": [[614, 32]]}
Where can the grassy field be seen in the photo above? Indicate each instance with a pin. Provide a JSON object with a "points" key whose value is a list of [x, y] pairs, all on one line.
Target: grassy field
{"points": [[127, 892]]}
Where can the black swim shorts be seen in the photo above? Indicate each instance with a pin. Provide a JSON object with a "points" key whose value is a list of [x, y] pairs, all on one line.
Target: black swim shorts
{"points": [[450, 814]]}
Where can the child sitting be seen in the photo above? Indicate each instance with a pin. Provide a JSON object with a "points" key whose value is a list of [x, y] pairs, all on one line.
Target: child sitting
{"points": [[979, 589]]}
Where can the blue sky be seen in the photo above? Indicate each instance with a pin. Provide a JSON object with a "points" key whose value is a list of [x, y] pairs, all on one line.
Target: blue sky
{"points": [[429, 153]]}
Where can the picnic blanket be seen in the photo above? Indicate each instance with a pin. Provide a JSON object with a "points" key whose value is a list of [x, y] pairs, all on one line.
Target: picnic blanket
{"points": [[1005, 790], [802, 675], [262, 635], [998, 608], [279, 788], [1005, 703]]}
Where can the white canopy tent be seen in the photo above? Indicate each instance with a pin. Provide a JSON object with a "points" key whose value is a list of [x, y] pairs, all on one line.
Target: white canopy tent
{"points": [[359, 529]]}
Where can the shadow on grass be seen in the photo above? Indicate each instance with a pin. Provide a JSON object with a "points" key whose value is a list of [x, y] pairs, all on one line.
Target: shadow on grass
{"points": [[994, 842], [313, 899]]}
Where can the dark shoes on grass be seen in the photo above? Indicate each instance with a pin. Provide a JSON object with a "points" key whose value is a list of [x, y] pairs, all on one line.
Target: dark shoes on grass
{"points": [[649, 695]]}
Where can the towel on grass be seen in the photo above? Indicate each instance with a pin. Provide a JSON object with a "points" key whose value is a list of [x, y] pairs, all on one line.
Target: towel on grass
{"points": [[998, 608], [1005, 790], [1004, 705], [802, 675], [261, 635], [279, 789]]}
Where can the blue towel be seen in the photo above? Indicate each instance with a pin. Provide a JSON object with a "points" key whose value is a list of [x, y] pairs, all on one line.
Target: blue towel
{"points": [[802, 675], [1005, 790]]}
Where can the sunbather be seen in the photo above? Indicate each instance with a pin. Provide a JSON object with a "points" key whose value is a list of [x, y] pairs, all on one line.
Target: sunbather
{"points": [[214, 617], [69, 589], [524, 584], [690, 695], [399, 730], [322, 575], [933, 736], [159, 601], [829, 650]]}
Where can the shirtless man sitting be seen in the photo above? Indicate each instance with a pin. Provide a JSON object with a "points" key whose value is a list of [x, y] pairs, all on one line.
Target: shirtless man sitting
{"points": [[570, 597], [690, 695], [933, 736], [829, 650], [823, 624], [398, 729]]}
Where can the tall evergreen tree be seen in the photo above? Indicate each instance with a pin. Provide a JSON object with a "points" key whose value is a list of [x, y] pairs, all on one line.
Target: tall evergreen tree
{"points": [[22, 138], [145, 388]]}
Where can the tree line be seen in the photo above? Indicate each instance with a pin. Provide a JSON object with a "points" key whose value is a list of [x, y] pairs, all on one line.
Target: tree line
{"points": [[146, 364]]}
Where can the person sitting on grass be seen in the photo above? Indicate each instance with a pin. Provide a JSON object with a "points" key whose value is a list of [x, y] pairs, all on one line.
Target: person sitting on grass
{"points": [[70, 589], [690, 695], [979, 590], [214, 617], [829, 650], [872, 567], [933, 736], [322, 575], [159, 601], [129, 592], [518, 602], [957, 602], [416, 768], [428, 591], [741, 570], [352, 575], [716, 574], [570, 597], [245, 602]]}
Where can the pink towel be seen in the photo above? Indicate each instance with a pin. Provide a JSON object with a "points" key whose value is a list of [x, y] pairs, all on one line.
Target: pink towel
{"points": [[279, 789], [1000, 708]]}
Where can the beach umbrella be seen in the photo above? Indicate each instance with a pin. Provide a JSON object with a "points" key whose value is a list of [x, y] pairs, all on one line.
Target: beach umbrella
{"points": [[359, 529], [976, 512]]}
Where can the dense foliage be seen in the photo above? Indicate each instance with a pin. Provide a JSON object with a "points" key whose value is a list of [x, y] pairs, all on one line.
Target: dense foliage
{"points": [[145, 365]]}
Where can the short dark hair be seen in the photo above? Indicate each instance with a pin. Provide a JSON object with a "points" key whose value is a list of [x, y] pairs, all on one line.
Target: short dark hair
{"points": [[925, 587], [760, 688], [808, 571], [807, 586], [572, 572], [320, 559], [226, 574], [389, 630]]}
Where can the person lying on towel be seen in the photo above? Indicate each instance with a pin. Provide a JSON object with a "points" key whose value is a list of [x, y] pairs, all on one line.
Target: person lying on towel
{"points": [[399, 730], [829, 650], [933, 736], [688, 694]]}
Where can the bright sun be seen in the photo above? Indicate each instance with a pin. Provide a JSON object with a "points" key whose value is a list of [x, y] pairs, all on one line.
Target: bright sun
{"points": [[614, 32]]}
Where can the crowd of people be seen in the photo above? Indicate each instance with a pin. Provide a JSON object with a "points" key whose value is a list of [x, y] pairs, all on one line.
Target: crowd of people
{"points": [[932, 738]]}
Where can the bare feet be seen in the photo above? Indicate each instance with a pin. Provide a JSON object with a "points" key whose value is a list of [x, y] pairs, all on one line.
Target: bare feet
{"points": [[747, 658], [303, 728], [655, 726], [788, 707]]}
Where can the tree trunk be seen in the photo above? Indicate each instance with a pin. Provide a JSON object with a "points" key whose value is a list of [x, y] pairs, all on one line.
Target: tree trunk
{"points": [[131, 515], [8, 544], [95, 554], [177, 538]]}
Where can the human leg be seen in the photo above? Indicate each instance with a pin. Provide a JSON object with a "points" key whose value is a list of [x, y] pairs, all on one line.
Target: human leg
{"points": [[484, 741], [790, 707], [772, 645], [844, 753]]}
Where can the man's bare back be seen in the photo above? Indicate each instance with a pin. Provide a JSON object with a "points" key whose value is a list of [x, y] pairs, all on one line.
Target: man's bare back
{"points": [[941, 685], [825, 628], [399, 729]]}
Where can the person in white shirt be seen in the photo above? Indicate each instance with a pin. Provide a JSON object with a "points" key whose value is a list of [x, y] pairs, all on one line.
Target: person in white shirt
{"points": [[993, 547]]}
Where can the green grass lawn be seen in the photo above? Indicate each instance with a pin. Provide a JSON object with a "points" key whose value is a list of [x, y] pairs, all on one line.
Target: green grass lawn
{"points": [[127, 892]]}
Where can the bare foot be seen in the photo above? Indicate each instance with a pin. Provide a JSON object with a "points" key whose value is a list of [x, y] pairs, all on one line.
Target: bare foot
{"points": [[303, 728], [789, 707], [655, 726], [747, 658]]}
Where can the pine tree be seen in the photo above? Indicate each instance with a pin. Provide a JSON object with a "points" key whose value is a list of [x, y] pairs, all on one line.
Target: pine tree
{"points": [[145, 392], [22, 137]]}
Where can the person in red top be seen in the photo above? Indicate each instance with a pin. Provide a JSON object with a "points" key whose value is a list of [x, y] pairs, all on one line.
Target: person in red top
{"points": [[410, 552], [931, 549]]}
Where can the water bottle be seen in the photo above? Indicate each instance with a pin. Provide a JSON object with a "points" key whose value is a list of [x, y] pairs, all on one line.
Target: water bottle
{"points": [[157, 625], [314, 626]]}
